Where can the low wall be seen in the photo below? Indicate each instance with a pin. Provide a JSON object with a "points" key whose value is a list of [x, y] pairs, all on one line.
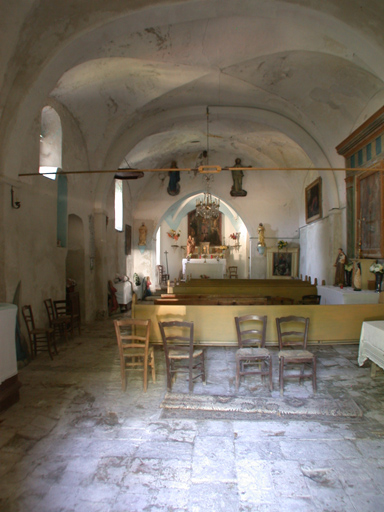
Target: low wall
{"points": [[215, 325]]}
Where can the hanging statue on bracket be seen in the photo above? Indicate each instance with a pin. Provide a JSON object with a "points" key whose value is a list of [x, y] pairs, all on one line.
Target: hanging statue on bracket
{"points": [[237, 176], [174, 178]]}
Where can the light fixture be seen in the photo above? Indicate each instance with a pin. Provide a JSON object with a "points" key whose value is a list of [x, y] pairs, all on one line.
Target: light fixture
{"points": [[208, 207]]}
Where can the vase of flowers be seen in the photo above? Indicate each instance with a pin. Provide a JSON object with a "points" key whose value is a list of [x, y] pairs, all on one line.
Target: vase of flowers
{"points": [[281, 244], [378, 270], [174, 234]]}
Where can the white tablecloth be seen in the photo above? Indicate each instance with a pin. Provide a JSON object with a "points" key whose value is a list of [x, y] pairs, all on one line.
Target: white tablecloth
{"points": [[372, 343], [8, 359], [336, 295], [123, 292], [208, 267]]}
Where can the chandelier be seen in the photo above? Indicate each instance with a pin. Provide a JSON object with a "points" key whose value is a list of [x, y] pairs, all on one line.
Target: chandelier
{"points": [[208, 207]]}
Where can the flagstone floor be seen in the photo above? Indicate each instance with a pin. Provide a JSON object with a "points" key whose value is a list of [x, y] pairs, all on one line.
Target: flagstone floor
{"points": [[76, 442]]}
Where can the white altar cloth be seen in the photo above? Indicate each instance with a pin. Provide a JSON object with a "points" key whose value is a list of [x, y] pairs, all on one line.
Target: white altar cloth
{"points": [[211, 267], [123, 292], [335, 295], [372, 343], [8, 359]]}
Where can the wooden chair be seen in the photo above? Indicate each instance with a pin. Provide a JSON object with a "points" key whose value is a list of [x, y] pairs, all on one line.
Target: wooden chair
{"points": [[281, 301], [232, 272], [60, 325], [73, 309], [163, 277], [39, 339], [135, 353], [292, 332], [310, 299], [252, 358], [180, 355]]}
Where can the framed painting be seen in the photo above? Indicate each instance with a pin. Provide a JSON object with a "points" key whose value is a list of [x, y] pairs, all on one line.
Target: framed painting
{"points": [[313, 201], [204, 230], [128, 240], [282, 264]]}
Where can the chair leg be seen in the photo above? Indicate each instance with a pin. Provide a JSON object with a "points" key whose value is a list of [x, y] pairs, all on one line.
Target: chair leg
{"points": [[152, 365], [281, 375], [145, 373], [314, 384], [49, 346], [301, 378], [270, 374], [237, 374], [190, 374], [203, 368], [123, 376], [169, 380]]}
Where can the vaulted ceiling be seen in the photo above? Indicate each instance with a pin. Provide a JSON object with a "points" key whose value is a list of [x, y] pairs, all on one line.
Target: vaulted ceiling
{"points": [[285, 81]]}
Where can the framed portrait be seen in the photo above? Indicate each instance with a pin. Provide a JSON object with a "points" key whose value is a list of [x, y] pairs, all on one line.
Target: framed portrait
{"points": [[282, 264], [313, 201], [128, 240]]}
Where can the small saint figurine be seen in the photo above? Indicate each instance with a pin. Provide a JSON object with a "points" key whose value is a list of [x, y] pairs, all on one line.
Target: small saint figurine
{"points": [[339, 264], [237, 176], [261, 231], [143, 234], [190, 245]]}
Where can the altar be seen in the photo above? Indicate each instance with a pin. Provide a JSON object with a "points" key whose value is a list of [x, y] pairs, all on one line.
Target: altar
{"points": [[210, 267], [372, 344], [332, 295]]}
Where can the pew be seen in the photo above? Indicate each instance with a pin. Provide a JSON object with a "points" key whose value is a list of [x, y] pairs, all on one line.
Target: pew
{"points": [[215, 325]]}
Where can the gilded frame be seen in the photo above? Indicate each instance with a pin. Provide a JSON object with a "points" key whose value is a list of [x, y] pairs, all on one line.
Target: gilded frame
{"points": [[313, 201]]}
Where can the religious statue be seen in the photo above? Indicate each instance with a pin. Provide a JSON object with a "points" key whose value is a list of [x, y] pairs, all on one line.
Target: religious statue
{"points": [[261, 231], [174, 178], [357, 278], [143, 234], [237, 176], [190, 245], [339, 264]]}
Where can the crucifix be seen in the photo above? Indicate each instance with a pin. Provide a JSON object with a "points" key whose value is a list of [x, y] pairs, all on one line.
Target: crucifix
{"points": [[166, 260]]}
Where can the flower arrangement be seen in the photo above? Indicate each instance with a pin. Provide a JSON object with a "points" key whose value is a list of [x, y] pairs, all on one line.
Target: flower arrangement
{"points": [[376, 268], [233, 236], [173, 234], [281, 244], [348, 267]]}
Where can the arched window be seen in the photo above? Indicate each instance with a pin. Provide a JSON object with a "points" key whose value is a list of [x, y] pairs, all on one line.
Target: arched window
{"points": [[119, 218], [50, 142]]}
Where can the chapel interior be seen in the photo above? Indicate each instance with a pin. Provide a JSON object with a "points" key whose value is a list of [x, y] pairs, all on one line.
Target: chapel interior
{"points": [[119, 120]]}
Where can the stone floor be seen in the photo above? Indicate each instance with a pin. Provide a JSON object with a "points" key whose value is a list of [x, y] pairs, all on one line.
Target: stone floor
{"points": [[76, 442]]}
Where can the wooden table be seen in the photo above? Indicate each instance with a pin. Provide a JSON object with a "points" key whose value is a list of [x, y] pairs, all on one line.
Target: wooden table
{"points": [[372, 344]]}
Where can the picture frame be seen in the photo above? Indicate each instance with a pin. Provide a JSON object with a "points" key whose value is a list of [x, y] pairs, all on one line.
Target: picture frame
{"points": [[205, 230], [313, 201], [282, 264], [128, 240]]}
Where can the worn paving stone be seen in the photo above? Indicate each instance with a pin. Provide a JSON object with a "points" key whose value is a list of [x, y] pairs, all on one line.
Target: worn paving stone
{"points": [[76, 442]]}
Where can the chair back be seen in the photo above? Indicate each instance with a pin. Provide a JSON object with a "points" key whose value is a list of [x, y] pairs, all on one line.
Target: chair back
{"points": [[251, 330], [132, 336], [281, 301], [232, 272], [311, 299], [292, 332], [50, 311], [177, 336], [60, 307], [29, 320]]}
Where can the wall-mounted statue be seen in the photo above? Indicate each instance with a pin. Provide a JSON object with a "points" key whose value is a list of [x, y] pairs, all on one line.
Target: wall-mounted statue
{"points": [[174, 178], [143, 234], [237, 176]]}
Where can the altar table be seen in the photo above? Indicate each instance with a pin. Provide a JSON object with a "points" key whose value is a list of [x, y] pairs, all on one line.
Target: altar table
{"points": [[372, 344], [211, 267], [333, 295]]}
